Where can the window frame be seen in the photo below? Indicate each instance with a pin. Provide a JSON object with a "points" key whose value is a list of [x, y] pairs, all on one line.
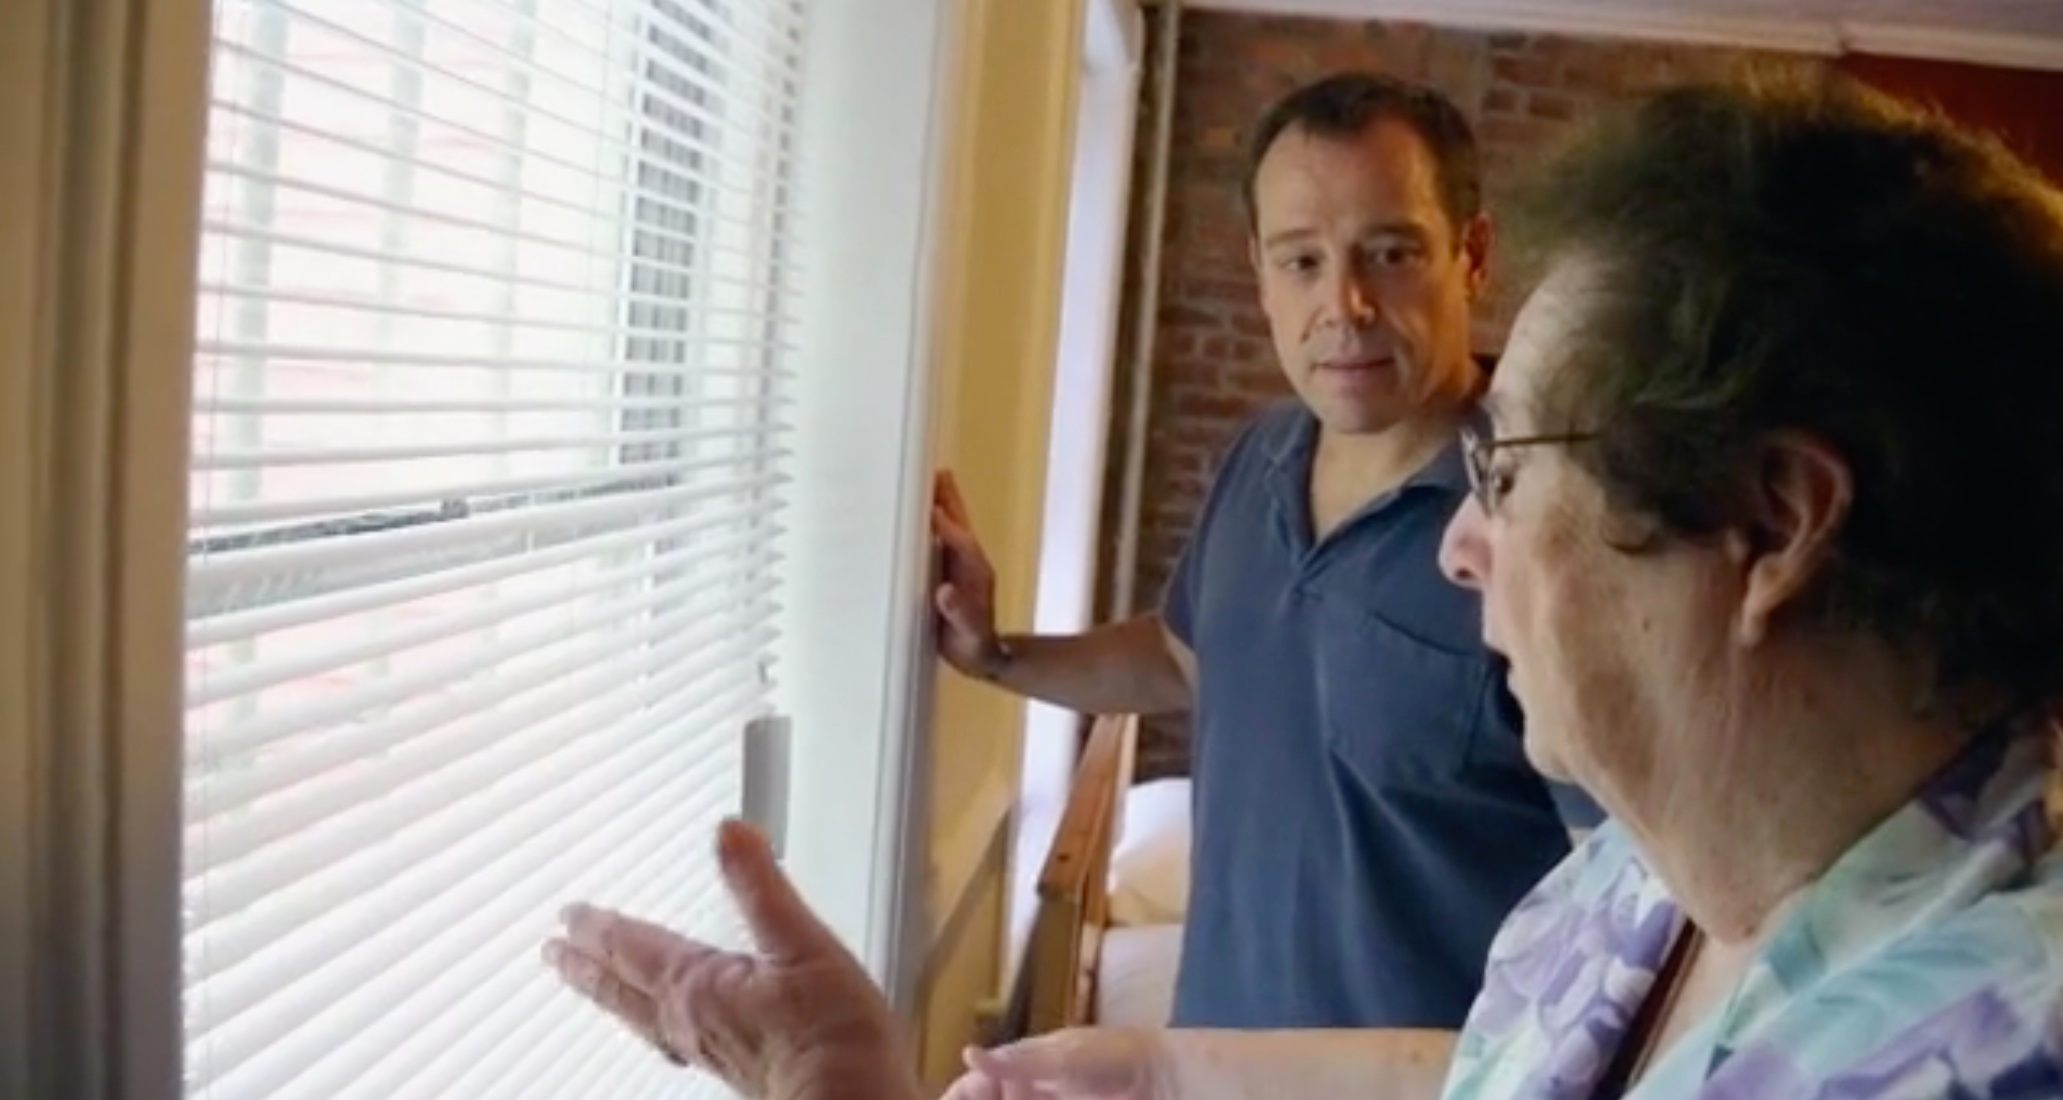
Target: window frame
{"points": [[119, 202], [856, 665], [102, 112]]}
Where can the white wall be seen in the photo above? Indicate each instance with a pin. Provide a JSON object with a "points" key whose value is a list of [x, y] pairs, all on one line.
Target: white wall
{"points": [[853, 673], [1099, 202]]}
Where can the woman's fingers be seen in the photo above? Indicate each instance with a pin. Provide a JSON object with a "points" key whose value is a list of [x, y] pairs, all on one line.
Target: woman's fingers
{"points": [[638, 952], [781, 923], [596, 980]]}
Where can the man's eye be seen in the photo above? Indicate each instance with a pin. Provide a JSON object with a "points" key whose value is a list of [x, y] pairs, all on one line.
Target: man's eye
{"points": [[1300, 264], [1396, 255]]}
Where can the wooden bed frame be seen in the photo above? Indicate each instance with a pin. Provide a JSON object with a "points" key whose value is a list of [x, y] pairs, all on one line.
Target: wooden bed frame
{"points": [[1056, 983]]}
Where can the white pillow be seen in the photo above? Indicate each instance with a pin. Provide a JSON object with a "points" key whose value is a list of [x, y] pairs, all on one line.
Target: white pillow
{"points": [[1149, 864], [1135, 976]]}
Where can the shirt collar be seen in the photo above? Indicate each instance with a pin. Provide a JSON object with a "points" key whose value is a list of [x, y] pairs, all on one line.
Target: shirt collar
{"points": [[1290, 457], [1977, 827]]}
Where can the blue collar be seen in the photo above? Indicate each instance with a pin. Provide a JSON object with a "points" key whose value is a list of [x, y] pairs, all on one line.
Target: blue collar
{"points": [[1288, 481], [1290, 454]]}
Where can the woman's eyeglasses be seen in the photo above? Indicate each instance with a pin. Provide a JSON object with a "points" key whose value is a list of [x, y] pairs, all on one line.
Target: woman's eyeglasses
{"points": [[1479, 446]]}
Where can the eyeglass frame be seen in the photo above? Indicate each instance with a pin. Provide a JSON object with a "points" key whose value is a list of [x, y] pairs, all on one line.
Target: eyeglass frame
{"points": [[1479, 444]]}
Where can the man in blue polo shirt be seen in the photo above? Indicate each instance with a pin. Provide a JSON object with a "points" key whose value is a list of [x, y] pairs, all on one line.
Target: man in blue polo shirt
{"points": [[1364, 814]]}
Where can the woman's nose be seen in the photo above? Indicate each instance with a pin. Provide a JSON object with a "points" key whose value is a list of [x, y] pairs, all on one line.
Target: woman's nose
{"points": [[1465, 549]]}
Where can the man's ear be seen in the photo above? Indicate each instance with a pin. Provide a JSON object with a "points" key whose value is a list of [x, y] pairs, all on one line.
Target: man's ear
{"points": [[1260, 269], [1799, 495], [1478, 236]]}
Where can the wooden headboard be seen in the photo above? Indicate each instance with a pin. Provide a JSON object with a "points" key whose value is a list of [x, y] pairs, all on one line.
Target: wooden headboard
{"points": [[1056, 985]]}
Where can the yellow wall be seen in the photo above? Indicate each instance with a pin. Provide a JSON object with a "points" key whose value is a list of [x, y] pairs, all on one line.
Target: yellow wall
{"points": [[999, 319]]}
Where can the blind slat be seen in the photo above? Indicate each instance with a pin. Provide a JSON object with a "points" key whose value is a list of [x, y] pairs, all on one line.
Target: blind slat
{"points": [[209, 516], [210, 579], [237, 738], [220, 228], [348, 354], [456, 725], [495, 312], [678, 865], [583, 249], [333, 456], [242, 625], [332, 300], [437, 887], [304, 1021], [444, 407], [252, 864], [782, 65], [778, 162], [667, 13], [775, 199], [616, 146], [757, 91], [261, 675], [551, 761]]}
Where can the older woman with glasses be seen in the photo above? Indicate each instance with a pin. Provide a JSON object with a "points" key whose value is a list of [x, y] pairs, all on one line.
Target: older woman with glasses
{"points": [[1768, 520]]}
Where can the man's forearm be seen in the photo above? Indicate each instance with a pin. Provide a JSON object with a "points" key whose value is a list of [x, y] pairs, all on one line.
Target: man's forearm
{"points": [[1305, 1065], [1122, 668]]}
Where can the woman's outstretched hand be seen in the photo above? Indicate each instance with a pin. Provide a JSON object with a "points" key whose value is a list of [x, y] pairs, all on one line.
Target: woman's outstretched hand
{"points": [[796, 1020]]}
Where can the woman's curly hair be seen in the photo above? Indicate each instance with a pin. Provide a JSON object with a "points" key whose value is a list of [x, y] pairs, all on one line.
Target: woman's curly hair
{"points": [[1813, 256]]}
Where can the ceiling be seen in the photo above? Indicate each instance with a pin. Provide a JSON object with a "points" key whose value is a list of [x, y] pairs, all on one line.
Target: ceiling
{"points": [[2020, 33]]}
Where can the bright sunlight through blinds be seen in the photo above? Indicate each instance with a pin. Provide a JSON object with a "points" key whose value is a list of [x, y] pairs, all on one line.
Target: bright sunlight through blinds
{"points": [[487, 448]]}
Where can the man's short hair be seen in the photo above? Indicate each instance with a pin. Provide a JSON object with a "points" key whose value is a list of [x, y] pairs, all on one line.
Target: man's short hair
{"points": [[1340, 107], [1807, 255]]}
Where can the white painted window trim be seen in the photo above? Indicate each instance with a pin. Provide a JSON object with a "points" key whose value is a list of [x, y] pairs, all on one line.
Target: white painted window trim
{"points": [[855, 660], [1099, 207]]}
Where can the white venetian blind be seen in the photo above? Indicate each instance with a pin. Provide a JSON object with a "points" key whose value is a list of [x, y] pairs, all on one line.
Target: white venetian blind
{"points": [[485, 484]]}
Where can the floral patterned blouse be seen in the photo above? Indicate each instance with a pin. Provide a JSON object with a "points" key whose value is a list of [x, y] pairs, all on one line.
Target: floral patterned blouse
{"points": [[1926, 962]]}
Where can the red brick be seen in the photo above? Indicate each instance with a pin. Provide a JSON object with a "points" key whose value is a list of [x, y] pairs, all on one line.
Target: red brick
{"points": [[1263, 386], [1168, 371], [1547, 105], [1281, 54], [1512, 131], [1527, 72], [1501, 100], [1223, 138], [1220, 291], [1588, 71], [1175, 313]]}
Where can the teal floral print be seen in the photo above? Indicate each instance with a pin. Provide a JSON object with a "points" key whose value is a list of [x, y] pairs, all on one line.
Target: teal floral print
{"points": [[1926, 963]]}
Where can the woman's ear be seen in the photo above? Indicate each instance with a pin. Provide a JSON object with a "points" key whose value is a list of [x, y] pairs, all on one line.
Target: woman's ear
{"points": [[1799, 494]]}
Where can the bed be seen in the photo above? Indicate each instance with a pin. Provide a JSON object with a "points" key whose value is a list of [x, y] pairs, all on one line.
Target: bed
{"points": [[1111, 895]]}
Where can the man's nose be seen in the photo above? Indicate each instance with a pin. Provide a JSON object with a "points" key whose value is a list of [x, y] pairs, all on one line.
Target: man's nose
{"points": [[1353, 303]]}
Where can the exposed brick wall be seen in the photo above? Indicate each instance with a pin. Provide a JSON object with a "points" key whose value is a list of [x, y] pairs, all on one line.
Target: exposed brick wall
{"points": [[1214, 367]]}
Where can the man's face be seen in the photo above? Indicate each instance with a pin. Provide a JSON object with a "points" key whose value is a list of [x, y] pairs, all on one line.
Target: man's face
{"points": [[1365, 283]]}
